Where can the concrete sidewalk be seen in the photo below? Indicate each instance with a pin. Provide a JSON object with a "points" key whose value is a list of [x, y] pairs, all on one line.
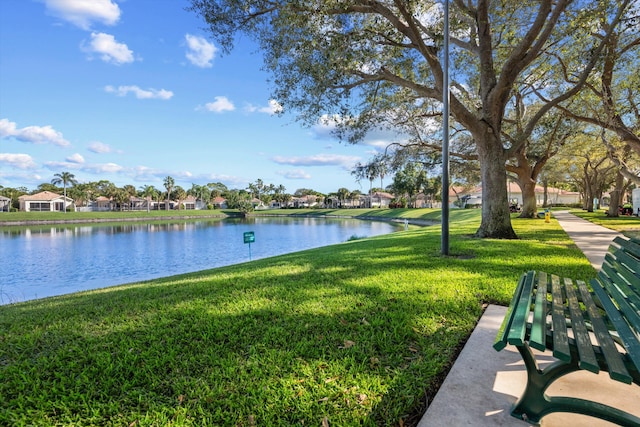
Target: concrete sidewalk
{"points": [[483, 384], [592, 239]]}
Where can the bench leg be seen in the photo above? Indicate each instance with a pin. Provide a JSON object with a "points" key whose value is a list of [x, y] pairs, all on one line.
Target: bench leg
{"points": [[535, 404]]}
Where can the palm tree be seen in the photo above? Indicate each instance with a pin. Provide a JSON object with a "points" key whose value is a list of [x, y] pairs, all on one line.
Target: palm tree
{"points": [[180, 194], [343, 193], [279, 194], [121, 197], [200, 192], [64, 178], [168, 184], [148, 192], [355, 195]]}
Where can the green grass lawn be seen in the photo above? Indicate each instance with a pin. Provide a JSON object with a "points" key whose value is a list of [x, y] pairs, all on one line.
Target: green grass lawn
{"points": [[108, 216], [360, 333], [425, 214], [628, 225]]}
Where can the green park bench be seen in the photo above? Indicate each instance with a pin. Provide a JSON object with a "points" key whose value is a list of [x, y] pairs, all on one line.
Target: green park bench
{"points": [[590, 328]]}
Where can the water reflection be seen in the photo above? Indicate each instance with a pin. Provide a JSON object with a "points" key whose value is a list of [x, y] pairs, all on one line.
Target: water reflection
{"points": [[52, 260]]}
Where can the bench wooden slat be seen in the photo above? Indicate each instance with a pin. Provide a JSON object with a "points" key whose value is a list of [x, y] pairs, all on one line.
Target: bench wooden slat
{"points": [[560, 337], [588, 359], [618, 262], [625, 297], [505, 327], [518, 328], [632, 287], [538, 336], [629, 245], [617, 370], [626, 261], [626, 334]]}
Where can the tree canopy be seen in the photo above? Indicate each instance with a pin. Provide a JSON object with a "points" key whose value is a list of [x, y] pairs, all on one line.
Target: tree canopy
{"points": [[358, 62]]}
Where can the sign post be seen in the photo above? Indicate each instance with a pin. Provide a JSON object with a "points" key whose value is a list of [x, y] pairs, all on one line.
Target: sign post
{"points": [[249, 237]]}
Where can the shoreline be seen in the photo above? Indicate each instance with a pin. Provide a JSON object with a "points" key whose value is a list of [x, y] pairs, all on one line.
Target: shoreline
{"points": [[25, 223], [99, 220]]}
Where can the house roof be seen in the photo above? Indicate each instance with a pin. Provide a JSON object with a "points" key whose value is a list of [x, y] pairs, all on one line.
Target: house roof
{"points": [[382, 194], [4, 198], [43, 196], [306, 199]]}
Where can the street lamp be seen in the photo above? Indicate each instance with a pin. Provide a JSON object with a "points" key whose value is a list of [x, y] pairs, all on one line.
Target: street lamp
{"points": [[445, 135]]}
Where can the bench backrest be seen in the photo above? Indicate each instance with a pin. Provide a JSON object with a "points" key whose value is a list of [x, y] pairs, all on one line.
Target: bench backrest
{"points": [[617, 287]]}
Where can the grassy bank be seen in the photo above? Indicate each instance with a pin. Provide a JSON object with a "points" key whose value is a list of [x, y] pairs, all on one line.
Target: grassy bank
{"points": [[359, 333], [628, 225], [383, 214], [29, 217]]}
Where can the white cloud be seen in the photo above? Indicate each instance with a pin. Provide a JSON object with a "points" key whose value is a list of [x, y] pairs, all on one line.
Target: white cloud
{"points": [[109, 50], [140, 93], [326, 126], [21, 178], [200, 52], [220, 105], [380, 144], [56, 166], [7, 128], [99, 147], [75, 158], [294, 174], [379, 138], [274, 107], [83, 12], [32, 134], [19, 161], [103, 168], [317, 160]]}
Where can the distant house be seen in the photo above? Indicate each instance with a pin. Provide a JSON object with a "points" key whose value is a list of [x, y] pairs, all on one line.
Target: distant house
{"points": [[136, 204], [258, 204], [45, 201], [427, 201], [102, 203], [379, 199], [555, 196], [190, 203], [5, 204], [219, 203], [307, 201]]}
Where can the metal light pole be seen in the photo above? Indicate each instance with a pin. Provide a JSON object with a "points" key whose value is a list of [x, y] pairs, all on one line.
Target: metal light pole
{"points": [[445, 135]]}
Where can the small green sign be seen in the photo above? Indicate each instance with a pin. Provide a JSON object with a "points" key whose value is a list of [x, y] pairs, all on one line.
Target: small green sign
{"points": [[249, 237]]}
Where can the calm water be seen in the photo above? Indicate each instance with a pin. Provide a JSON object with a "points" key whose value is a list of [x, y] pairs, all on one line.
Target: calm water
{"points": [[38, 262]]}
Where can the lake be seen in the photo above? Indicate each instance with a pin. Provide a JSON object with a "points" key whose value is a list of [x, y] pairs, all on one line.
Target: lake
{"points": [[44, 261]]}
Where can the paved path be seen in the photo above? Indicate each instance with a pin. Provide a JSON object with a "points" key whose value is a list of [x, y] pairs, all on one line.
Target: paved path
{"points": [[483, 384], [592, 239]]}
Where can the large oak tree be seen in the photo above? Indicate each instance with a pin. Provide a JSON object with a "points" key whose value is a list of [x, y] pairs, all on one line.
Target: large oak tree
{"points": [[348, 59]]}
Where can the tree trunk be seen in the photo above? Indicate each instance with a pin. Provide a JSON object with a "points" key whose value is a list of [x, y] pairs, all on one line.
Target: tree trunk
{"points": [[529, 203], [588, 196], [545, 185], [496, 220], [616, 194], [527, 171]]}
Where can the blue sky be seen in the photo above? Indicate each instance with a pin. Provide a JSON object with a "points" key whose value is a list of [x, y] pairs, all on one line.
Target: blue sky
{"points": [[134, 90]]}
